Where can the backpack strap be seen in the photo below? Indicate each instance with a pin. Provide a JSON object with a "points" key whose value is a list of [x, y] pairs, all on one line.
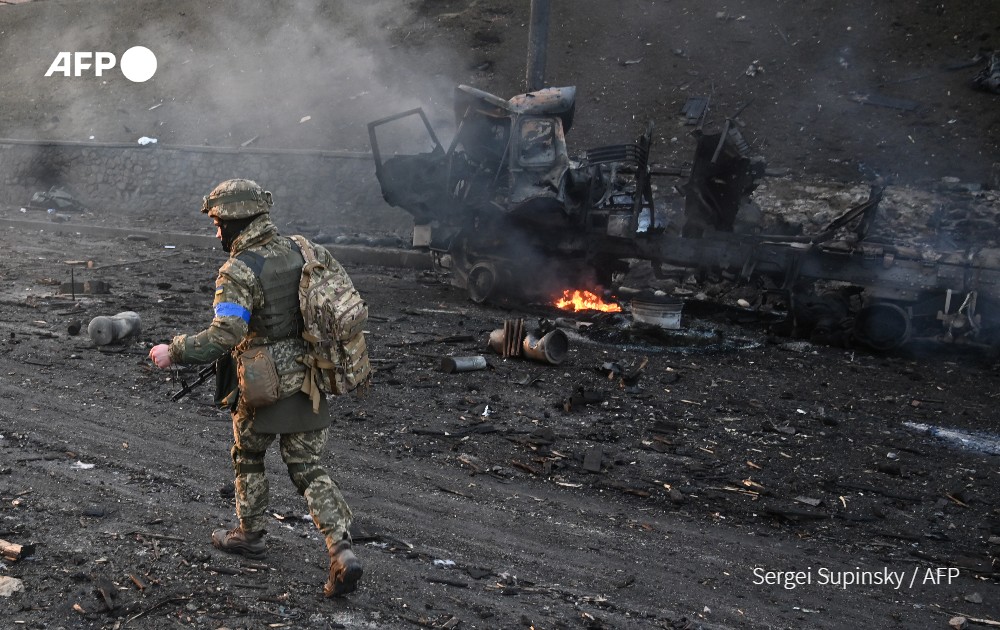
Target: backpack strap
{"points": [[309, 255], [305, 246], [314, 364], [314, 369]]}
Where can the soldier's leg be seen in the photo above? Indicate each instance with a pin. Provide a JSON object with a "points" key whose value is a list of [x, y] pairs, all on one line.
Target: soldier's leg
{"points": [[252, 490], [301, 453], [329, 510]]}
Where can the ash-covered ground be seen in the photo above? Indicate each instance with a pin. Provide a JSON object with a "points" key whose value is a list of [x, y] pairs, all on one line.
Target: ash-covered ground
{"points": [[636, 485]]}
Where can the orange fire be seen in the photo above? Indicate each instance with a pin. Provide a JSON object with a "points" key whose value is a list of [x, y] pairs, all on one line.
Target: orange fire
{"points": [[585, 300]]}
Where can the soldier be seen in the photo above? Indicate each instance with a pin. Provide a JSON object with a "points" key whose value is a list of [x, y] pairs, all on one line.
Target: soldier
{"points": [[256, 308]]}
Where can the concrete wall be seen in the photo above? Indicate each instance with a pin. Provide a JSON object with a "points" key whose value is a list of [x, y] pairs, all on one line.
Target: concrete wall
{"points": [[142, 184]]}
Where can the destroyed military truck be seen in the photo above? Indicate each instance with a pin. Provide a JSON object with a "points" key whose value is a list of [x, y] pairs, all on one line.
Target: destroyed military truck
{"points": [[506, 211]]}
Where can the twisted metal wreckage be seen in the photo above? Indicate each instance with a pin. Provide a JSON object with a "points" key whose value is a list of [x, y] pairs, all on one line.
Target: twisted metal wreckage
{"points": [[507, 211]]}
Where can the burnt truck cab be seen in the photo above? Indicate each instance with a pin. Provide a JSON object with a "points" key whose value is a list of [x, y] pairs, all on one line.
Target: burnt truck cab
{"points": [[504, 201]]}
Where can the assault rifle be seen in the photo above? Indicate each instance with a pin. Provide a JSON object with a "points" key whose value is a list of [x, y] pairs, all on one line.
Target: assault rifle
{"points": [[204, 374]]}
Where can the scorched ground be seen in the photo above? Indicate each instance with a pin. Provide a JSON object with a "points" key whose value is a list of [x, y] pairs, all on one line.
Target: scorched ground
{"points": [[521, 495]]}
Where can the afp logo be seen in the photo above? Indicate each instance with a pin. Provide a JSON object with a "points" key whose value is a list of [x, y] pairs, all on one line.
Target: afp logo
{"points": [[138, 64]]}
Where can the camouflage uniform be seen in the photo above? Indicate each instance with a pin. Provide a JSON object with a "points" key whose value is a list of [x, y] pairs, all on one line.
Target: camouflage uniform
{"points": [[303, 434]]}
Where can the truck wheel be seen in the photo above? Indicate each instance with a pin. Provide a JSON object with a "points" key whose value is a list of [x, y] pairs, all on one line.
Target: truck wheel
{"points": [[482, 282], [883, 326]]}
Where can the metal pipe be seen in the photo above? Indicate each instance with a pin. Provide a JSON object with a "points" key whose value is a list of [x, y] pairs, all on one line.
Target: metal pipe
{"points": [[538, 38], [450, 365], [551, 348]]}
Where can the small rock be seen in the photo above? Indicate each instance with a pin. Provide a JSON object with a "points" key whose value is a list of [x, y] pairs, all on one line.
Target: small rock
{"points": [[796, 346], [676, 496], [890, 468], [9, 586], [958, 623], [974, 598]]}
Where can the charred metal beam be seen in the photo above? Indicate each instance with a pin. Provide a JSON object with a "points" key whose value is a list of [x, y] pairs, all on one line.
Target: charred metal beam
{"points": [[538, 43]]}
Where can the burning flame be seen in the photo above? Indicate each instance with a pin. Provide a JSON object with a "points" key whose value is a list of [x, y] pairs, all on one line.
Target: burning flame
{"points": [[585, 300]]}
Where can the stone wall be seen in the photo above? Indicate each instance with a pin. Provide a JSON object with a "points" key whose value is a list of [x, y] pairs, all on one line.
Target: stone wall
{"points": [[336, 190]]}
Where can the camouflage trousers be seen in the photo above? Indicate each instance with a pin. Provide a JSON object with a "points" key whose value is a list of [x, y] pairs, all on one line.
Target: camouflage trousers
{"points": [[301, 453]]}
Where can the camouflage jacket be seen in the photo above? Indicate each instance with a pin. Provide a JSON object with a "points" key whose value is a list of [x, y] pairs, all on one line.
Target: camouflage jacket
{"points": [[238, 294]]}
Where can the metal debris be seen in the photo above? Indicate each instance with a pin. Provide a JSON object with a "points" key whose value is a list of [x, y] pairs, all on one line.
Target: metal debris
{"points": [[694, 109], [988, 78], [104, 330], [56, 198], [878, 100], [450, 365]]}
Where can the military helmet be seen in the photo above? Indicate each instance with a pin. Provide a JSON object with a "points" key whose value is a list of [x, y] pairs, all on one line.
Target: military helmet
{"points": [[237, 199]]}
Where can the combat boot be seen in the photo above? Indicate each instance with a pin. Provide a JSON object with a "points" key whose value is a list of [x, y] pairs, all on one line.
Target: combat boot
{"points": [[249, 544], [345, 570]]}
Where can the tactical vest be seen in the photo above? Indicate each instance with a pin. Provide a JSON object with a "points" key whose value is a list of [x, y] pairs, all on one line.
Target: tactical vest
{"points": [[280, 317]]}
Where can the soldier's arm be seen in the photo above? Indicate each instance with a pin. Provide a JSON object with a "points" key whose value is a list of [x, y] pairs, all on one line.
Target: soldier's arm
{"points": [[232, 306]]}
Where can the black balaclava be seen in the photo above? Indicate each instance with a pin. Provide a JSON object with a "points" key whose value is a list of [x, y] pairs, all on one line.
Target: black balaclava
{"points": [[231, 229]]}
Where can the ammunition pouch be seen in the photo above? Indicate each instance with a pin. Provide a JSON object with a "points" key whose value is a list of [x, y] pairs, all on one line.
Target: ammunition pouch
{"points": [[258, 377]]}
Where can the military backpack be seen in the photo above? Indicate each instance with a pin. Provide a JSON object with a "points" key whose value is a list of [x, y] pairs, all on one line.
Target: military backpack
{"points": [[334, 315]]}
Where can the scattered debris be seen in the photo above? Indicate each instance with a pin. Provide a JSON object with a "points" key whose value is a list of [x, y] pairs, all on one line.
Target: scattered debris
{"points": [[56, 199], [593, 458], [694, 109], [979, 442], [12, 552], [662, 312], [9, 586], [583, 397], [513, 341], [447, 581], [104, 330], [506, 341], [878, 100], [988, 78], [90, 287], [450, 365], [549, 348], [810, 501]]}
